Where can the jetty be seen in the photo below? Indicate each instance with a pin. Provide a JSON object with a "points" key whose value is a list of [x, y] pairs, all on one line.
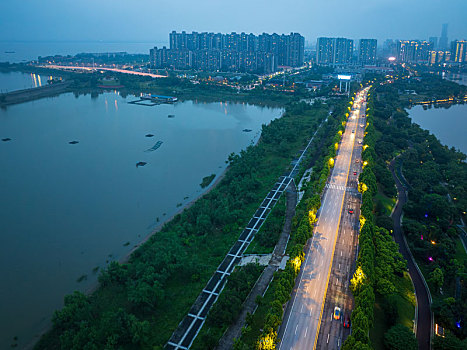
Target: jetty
{"points": [[153, 100], [25, 95]]}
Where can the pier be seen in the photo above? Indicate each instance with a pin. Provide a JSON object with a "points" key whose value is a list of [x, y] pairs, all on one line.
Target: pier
{"points": [[26, 95], [153, 100]]}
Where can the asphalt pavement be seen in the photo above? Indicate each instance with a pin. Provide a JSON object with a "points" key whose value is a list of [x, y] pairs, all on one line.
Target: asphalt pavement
{"points": [[305, 310]]}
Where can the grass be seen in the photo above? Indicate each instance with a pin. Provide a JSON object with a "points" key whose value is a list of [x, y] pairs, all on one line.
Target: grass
{"points": [[388, 203], [405, 301], [461, 255]]}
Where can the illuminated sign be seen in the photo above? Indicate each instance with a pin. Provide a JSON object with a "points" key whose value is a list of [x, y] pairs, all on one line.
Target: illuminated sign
{"points": [[344, 77]]}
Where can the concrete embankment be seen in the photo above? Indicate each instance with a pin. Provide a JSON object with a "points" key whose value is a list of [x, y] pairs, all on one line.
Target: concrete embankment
{"points": [[20, 96]]}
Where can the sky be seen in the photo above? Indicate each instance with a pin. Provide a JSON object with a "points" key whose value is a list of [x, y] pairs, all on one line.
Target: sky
{"points": [[152, 20]]}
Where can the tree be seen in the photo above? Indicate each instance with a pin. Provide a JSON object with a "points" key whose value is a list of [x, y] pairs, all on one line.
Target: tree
{"points": [[400, 337], [437, 278]]}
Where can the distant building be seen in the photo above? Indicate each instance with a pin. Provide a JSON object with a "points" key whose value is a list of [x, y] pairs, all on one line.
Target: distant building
{"points": [[334, 51], [434, 41], [367, 52], [439, 57], [443, 40], [413, 51], [459, 51], [230, 52]]}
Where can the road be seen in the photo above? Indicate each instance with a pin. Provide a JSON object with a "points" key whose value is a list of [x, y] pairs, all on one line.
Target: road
{"points": [[332, 334], [117, 70], [424, 327], [305, 310]]}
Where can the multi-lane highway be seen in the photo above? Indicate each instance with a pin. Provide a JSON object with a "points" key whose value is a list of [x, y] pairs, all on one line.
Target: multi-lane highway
{"points": [[305, 310], [332, 333]]}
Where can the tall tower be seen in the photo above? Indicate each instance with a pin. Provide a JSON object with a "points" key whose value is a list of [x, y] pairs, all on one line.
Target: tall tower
{"points": [[443, 40]]}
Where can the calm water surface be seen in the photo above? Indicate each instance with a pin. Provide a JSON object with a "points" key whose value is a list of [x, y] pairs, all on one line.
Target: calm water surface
{"points": [[448, 125], [66, 209], [17, 81]]}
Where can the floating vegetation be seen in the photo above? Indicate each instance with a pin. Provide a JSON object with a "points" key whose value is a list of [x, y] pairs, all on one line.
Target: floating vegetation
{"points": [[186, 197], [82, 278], [94, 270], [157, 219], [156, 146], [73, 142], [171, 116], [126, 244], [207, 180], [140, 164], [6, 139], [179, 205], [247, 130], [149, 135]]}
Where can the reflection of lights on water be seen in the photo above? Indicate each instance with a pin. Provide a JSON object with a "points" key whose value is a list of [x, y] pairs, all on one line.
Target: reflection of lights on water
{"points": [[106, 106], [39, 80], [34, 79], [116, 105]]}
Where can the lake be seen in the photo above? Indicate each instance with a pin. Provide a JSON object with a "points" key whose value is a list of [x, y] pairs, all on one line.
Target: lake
{"points": [[17, 81], [66, 210], [447, 124]]}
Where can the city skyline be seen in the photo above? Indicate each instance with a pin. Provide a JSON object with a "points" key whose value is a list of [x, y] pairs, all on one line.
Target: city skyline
{"points": [[149, 22]]}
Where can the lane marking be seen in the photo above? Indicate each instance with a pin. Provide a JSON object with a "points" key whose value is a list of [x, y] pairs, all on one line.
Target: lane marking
{"points": [[306, 329], [334, 246], [327, 341]]}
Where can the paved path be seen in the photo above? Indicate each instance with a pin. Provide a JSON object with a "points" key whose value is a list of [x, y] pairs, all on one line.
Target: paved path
{"points": [[305, 310], [424, 326]]}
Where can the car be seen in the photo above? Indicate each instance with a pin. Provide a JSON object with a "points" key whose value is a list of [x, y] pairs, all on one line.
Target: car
{"points": [[346, 320], [357, 161], [350, 211], [337, 313], [359, 142], [355, 173], [353, 131]]}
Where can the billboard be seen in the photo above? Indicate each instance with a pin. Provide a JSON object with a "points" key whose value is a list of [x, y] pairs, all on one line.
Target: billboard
{"points": [[344, 77]]}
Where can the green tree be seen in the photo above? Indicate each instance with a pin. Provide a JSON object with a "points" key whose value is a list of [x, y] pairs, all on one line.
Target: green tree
{"points": [[400, 337], [437, 278]]}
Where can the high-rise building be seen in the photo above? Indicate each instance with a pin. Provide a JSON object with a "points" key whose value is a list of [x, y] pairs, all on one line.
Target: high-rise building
{"points": [[367, 51], [434, 41], [325, 51], [334, 51], [443, 40], [230, 52], [438, 57], [413, 51], [343, 51], [459, 51]]}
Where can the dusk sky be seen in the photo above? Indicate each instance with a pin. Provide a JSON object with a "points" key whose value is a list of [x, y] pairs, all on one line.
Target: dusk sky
{"points": [[152, 20]]}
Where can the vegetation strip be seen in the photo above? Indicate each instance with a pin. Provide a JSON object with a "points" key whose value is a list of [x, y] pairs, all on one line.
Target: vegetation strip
{"points": [[194, 321]]}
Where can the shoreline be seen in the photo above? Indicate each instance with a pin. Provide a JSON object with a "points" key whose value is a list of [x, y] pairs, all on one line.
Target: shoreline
{"points": [[159, 227]]}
